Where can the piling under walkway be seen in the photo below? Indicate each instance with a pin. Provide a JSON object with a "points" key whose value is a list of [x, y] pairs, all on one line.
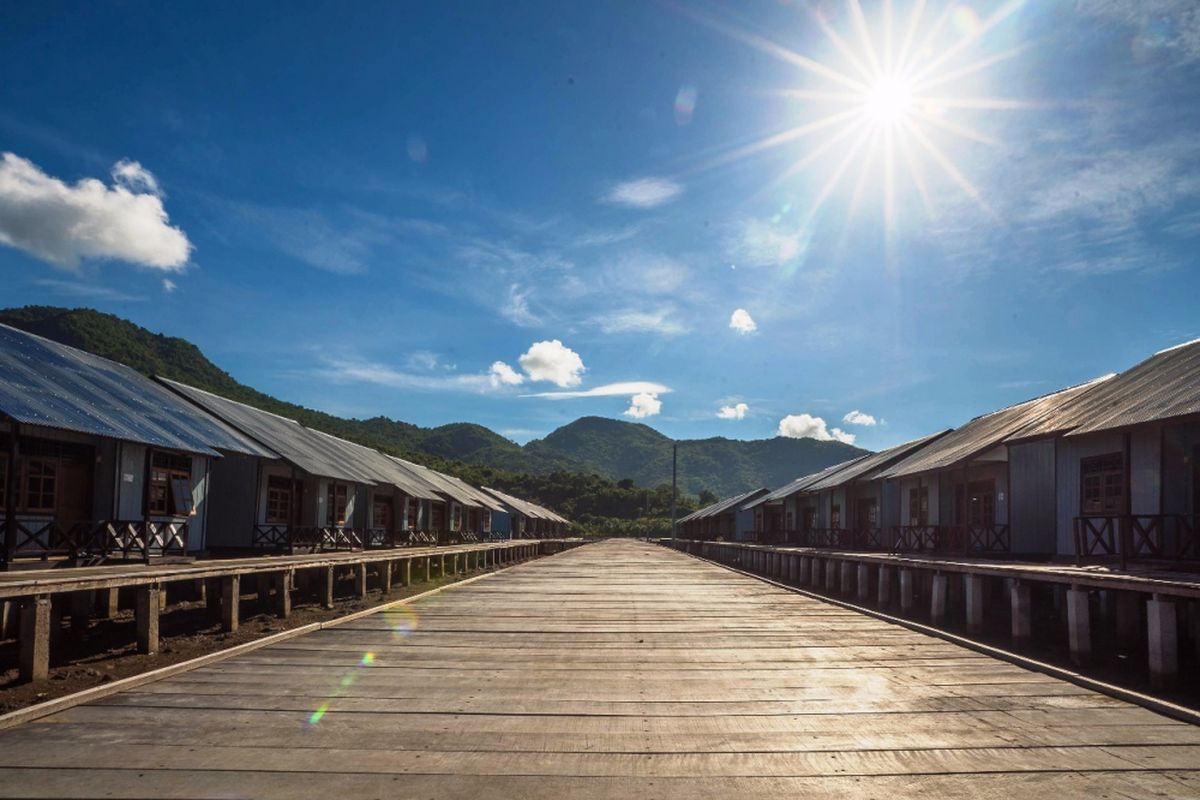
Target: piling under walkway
{"points": [[620, 669]]}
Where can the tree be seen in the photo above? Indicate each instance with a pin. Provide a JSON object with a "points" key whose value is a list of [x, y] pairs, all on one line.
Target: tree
{"points": [[707, 498]]}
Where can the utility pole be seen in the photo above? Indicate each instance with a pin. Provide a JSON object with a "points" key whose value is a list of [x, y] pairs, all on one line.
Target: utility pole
{"points": [[674, 486]]}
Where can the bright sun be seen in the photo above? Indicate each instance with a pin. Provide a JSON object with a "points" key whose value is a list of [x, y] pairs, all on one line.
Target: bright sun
{"points": [[888, 102]]}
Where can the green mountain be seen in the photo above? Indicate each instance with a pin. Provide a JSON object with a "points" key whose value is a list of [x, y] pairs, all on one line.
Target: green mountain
{"points": [[723, 466], [606, 448]]}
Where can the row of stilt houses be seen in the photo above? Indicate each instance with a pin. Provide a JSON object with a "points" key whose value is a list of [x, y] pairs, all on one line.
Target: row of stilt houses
{"points": [[98, 462], [1109, 469]]}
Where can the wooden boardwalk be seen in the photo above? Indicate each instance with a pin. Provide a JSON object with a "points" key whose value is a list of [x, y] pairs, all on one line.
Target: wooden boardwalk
{"points": [[619, 669]]}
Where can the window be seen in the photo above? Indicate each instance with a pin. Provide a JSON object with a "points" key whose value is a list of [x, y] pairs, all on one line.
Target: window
{"points": [[41, 479], [790, 520], [455, 517], [170, 490], [918, 506], [281, 494], [1102, 484], [438, 521], [335, 511], [414, 512], [835, 517]]}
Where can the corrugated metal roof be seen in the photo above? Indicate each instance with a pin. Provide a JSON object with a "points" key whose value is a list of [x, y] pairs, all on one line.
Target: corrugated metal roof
{"points": [[481, 498], [50, 384], [802, 483], [864, 467], [443, 483], [722, 506], [378, 467], [315, 454], [1164, 386], [516, 504], [984, 432]]}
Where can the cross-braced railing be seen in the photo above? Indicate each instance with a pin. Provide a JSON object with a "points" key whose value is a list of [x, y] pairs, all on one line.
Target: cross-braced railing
{"points": [[1170, 537]]}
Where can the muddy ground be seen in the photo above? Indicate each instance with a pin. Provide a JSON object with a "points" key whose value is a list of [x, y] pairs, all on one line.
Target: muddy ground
{"points": [[106, 649]]}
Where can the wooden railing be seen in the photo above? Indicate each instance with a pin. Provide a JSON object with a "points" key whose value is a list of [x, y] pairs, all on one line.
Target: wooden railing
{"points": [[951, 539], [914, 539], [141, 539], [1170, 537]]}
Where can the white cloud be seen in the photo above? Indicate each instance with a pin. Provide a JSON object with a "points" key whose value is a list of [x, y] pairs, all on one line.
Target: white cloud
{"points": [[648, 273], [90, 291], [633, 321], [359, 371], [136, 178], [63, 224], [759, 243], [643, 193], [554, 362], [1172, 26], [344, 246], [741, 321], [169, 285], [858, 418], [806, 426], [608, 390], [643, 405], [517, 310], [502, 374], [736, 411]]}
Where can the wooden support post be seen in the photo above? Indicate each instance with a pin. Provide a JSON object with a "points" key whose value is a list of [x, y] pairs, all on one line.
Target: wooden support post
{"points": [[231, 596], [805, 570], [385, 570], [793, 568], [864, 582], [907, 579], [34, 657], [1162, 635], [7, 613], [146, 617], [428, 568], [973, 586], [406, 574], [831, 575], [107, 603], [1022, 613], [200, 590], [81, 611], [1079, 625], [283, 594], [1129, 621], [937, 598], [327, 588], [847, 578], [884, 597], [360, 581]]}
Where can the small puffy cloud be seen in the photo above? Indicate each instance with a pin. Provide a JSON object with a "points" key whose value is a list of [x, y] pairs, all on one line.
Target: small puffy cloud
{"points": [[63, 223], [134, 177], [858, 418], [741, 321], [806, 426], [502, 374], [761, 243], [643, 193], [736, 411], [643, 405], [169, 285], [554, 362]]}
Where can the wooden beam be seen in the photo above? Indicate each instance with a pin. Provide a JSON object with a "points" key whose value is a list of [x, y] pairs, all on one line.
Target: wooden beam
{"points": [[34, 656]]}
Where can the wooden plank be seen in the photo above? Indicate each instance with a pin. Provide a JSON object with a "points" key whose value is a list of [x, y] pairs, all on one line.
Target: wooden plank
{"points": [[619, 669]]}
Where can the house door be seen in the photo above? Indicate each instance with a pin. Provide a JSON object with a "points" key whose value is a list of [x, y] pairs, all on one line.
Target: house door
{"points": [[381, 512], [866, 513], [981, 503]]}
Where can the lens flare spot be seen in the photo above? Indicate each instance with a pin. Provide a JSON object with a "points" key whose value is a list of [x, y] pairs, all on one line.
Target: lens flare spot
{"points": [[315, 717], [402, 620], [367, 660], [966, 21], [888, 101], [685, 104]]}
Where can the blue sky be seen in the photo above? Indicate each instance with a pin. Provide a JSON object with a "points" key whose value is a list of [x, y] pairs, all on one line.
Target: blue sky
{"points": [[520, 213]]}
